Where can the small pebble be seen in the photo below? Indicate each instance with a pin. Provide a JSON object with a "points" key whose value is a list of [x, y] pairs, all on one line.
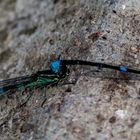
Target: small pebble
{"points": [[134, 49], [123, 7]]}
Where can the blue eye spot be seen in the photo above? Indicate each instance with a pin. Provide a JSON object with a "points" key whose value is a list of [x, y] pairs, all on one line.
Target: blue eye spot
{"points": [[55, 65], [123, 69]]}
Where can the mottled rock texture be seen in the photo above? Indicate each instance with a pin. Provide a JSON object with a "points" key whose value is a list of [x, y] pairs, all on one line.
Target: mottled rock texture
{"points": [[33, 32]]}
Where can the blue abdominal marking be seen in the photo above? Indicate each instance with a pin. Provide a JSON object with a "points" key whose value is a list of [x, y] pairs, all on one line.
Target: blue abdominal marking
{"points": [[123, 69]]}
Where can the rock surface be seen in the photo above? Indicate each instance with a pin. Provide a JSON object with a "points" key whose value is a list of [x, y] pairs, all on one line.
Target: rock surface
{"points": [[33, 32]]}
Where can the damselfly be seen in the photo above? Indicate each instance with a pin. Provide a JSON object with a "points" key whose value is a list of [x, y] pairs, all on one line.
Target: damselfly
{"points": [[58, 71]]}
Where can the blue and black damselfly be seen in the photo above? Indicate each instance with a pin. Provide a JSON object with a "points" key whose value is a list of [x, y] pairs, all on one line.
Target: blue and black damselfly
{"points": [[57, 72]]}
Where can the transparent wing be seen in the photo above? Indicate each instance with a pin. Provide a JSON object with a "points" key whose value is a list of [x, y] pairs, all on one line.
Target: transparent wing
{"points": [[14, 81], [105, 73], [112, 74]]}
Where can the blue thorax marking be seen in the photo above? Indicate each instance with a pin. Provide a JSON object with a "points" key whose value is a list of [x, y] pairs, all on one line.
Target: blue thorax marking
{"points": [[123, 69], [55, 66]]}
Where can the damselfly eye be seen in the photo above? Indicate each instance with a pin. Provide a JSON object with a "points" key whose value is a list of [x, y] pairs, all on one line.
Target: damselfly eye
{"points": [[55, 66]]}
